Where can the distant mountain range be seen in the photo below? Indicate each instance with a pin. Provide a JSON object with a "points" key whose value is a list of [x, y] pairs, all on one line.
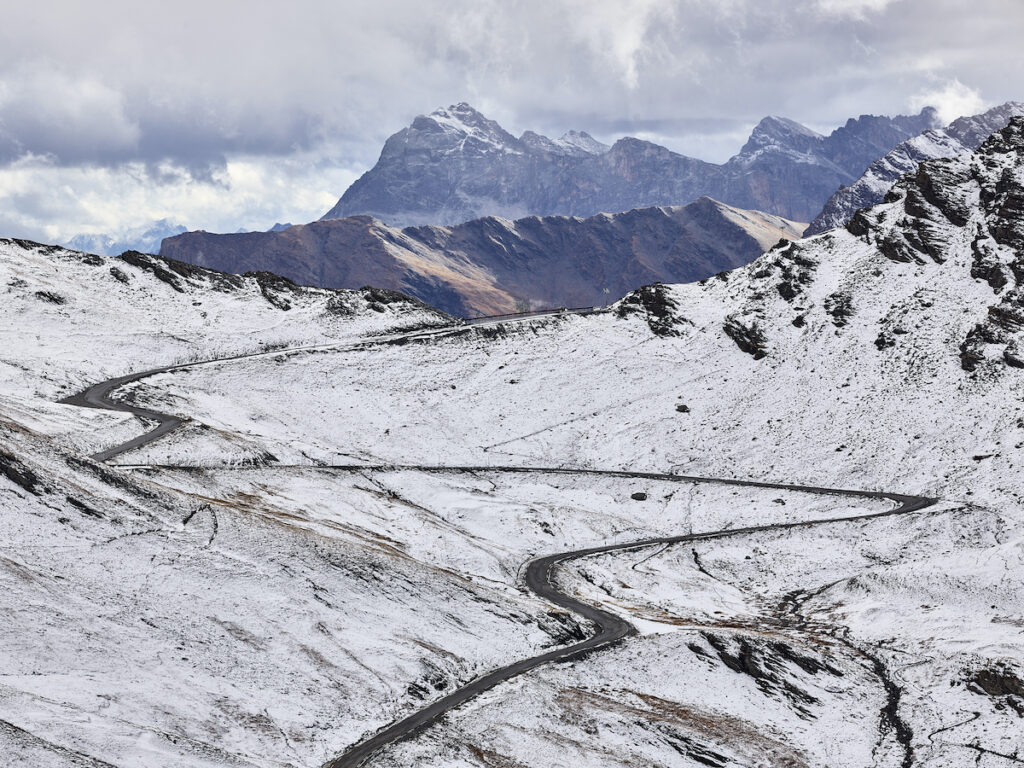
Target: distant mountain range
{"points": [[960, 137], [145, 239], [492, 265], [455, 164]]}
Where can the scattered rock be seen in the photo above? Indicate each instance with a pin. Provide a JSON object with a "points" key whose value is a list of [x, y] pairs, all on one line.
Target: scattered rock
{"points": [[750, 338], [657, 305], [53, 298]]}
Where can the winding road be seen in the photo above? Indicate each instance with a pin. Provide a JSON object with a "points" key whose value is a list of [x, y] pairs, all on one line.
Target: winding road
{"points": [[540, 573]]}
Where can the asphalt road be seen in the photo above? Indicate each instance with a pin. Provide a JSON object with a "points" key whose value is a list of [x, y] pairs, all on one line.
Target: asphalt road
{"points": [[541, 580], [540, 573]]}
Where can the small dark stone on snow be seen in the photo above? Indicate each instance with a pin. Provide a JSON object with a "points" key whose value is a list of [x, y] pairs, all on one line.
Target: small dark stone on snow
{"points": [[53, 298], [683, 408], [639, 496]]}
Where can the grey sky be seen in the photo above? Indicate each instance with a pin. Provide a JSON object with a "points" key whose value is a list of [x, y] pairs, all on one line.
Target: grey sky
{"points": [[228, 114]]}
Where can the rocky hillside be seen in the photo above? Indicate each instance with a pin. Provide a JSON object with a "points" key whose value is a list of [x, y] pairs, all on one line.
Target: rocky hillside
{"points": [[454, 165], [962, 136], [491, 265]]}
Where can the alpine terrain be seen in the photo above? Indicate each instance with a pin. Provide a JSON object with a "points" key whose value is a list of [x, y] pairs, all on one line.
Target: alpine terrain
{"points": [[772, 518]]}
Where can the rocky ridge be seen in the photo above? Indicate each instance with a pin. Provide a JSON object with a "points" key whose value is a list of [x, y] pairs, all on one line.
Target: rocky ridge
{"points": [[455, 164], [962, 136], [492, 265], [955, 228]]}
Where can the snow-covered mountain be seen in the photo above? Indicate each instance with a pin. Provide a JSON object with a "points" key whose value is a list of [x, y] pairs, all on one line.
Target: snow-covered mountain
{"points": [[491, 265], [962, 136], [455, 164], [336, 536], [145, 239]]}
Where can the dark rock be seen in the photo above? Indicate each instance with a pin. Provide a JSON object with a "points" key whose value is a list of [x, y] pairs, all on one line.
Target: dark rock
{"points": [[748, 337], [657, 306], [840, 307], [999, 681], [638, 496], [15, 471], [53, 298]]}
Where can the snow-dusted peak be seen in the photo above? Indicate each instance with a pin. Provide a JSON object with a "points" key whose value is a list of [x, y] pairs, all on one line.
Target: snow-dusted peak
{"points": [[145, 238], [575, 143], [962, 136], [583, 141], [459, 127], [971, 131], [775, 133]]}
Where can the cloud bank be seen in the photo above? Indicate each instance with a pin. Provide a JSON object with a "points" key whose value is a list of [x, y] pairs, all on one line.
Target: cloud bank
{"points": [[226, 114]]}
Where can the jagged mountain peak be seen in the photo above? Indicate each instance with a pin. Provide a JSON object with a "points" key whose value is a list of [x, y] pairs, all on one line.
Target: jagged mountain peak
{"points": [[974, 129], [455, 164], [458, 123], [780, 133], [962, 136], [575, 143], [584, 141], [947, 243]]}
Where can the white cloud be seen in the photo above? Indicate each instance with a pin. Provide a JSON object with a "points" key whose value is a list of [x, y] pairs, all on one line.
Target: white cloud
{"points": [[48, 202], [856, 9], [617, 30], [953, 99], [151, 102]]}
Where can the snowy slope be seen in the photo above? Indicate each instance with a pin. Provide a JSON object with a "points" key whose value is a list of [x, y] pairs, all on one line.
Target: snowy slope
{"points": [[882, 356], [247, 603], [89, 317]]}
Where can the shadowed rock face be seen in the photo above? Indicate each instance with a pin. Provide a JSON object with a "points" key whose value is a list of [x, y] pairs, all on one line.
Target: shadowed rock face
{"points": [[455, 164], [490, 265], [960, 137]]}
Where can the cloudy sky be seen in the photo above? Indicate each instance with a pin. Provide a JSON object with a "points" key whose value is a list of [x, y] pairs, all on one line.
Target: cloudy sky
{"points": [[226, 115]]}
